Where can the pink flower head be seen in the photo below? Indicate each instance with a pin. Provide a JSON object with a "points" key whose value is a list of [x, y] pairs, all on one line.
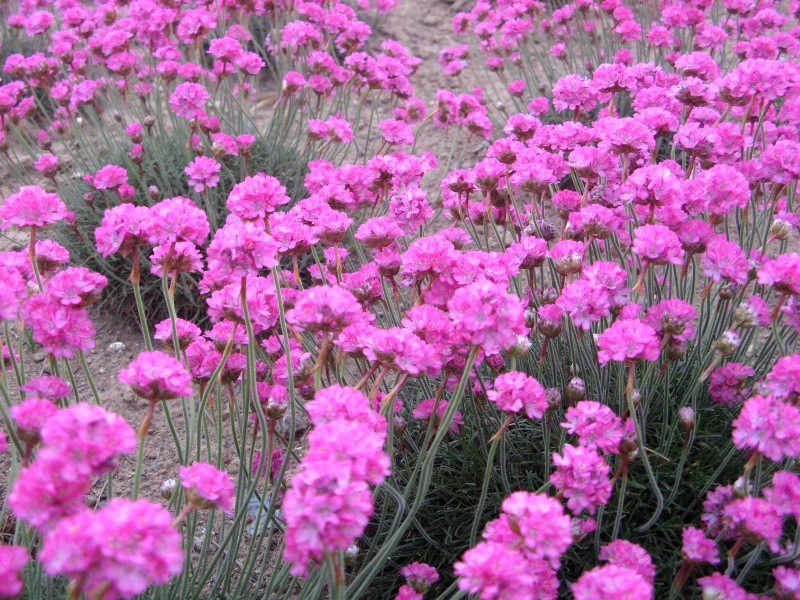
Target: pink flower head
{"points": [[207, 487], [420, 576], [110, 177], [581, 476], [188, 100], [623, 553], [90, 438], [346, 403], [725, 260], [32, 206], [491, 317], [48, 386], [787, 582], [173, 259], [514, 391], [783, 380], [186, 330], [658, 245], [756, 519], [123, 229], [42, 496], [540, 521], [612, 581], [727, 383], [241, 248], [325, 308], [784, 494], [783, 273], [61, 330], [494, 571], [12, 563], [596, 425], [698, 548], [120, 550], [425, 410], [12, 290], [203, 172], [672, 317], [156, 376], [76, 286], [256, 197], [718, 585], [628, 340], [177, 219], [769, 426], [396, 132], [30, 415]]}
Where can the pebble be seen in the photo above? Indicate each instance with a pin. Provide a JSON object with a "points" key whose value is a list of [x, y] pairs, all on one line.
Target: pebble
{"points": [[116, 346]]}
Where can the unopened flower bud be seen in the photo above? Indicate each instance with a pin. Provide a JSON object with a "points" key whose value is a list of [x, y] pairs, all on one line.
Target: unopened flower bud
{"points": [[780, 229], [676, 349], [154, 193], [521, 348], [399, 424], [149, 121], [553, 396], [576, 390], [637, 397], [351, 553], [728, 343], [727, 291], [745, 317], [167, 488], [581, 528], [530, 317], [686, 417], [547, 229], [740, 487]]}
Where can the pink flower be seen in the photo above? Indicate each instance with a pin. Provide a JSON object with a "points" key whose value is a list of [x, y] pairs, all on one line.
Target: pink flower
{"points": [[110, 177], [177, 219], [203, 172], [241, 248], [256, 197], [769, 426], [76, 286], [61, 330], [12, 290], [490, 316], [329, 502], [396, 132], [30, 415], [156, 376], [207, 487], [33, 207], [783, 273], [718, 585], [783, 380], [47, 386], [180, 257], [612, 581], [628, 340], [12, 563], [595, 425], [755, 519], [787, 582], [657, 244], [89, 438], [698, 548], [514, 391], [784, 494], [581, 476], [540, 521], [623, 553], [186, 330], [425, 410], [188, 100], [325, 308], [420, 576], [727, 383], [494, 571], [42, 496], [725, 260], [121, 549], [123, 229]]}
